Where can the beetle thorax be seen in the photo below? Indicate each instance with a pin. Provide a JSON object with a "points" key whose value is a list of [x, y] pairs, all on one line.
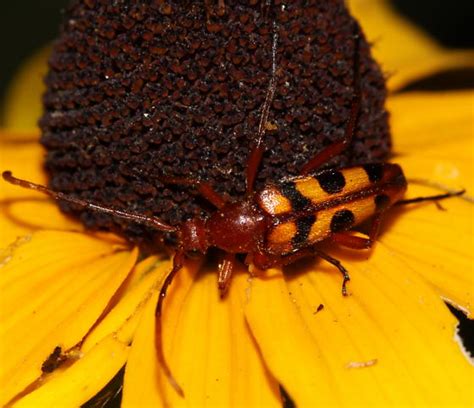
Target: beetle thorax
{"points": [[237, 227]]}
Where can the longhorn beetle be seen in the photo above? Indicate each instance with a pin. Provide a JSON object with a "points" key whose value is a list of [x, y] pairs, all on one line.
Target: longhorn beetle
{"points": [[282, 222]]}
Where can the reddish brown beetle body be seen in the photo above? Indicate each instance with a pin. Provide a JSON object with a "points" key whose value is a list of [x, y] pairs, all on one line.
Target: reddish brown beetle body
{"points": [[237, 227], [281, 219]]}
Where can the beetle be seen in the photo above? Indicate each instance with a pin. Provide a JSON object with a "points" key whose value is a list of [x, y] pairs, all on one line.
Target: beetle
{"points": [[282, 222]]}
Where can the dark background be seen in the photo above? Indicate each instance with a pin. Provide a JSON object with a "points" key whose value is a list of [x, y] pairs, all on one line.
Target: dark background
{"points": [[29, 24]]}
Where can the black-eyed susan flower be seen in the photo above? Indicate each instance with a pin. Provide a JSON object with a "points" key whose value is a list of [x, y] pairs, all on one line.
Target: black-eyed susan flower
{"points": [[84, 303]]}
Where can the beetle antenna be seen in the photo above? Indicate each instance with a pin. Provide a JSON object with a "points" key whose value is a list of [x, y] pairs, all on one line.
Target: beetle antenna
{"points": [[178, 262], [149, 221], [256, 153], [439, 186], [430, 198]]}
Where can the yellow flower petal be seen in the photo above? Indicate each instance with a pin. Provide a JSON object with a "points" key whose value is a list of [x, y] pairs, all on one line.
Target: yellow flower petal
{"points": [[24, 211], [207, 346], [142, 370], [142, 373], [390, 343], [435, 146], [288, 350], [53, 287], [21, 216], [125, 315], [405, 52], [25, 160], [23, 106], [437, 245], [105, 349], [75, 385], [427, 120], [449, 167]]}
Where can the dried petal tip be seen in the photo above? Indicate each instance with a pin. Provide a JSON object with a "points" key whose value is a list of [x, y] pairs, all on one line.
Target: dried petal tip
{"points": [[140, 89]]}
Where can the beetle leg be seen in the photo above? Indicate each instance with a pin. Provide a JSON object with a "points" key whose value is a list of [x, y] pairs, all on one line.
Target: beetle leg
{"points": [[253, 163], [338, 265], [203, 188], [211, 195], [352, 241], [178, 262], [264, 261], [300, 254], [339, 146], [224, 276]]}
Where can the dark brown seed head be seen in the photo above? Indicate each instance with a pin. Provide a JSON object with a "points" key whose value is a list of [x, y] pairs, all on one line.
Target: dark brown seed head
{"points": [[141, 89]]}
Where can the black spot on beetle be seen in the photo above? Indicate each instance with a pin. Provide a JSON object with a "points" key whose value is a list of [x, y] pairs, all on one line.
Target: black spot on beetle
{"points": [[342, 220], [298, 201], [331, 181], [303, 227], [374, 171]]}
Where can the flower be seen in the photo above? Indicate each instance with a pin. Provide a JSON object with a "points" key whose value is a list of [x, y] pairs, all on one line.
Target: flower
{"points": [[391, 342]]}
